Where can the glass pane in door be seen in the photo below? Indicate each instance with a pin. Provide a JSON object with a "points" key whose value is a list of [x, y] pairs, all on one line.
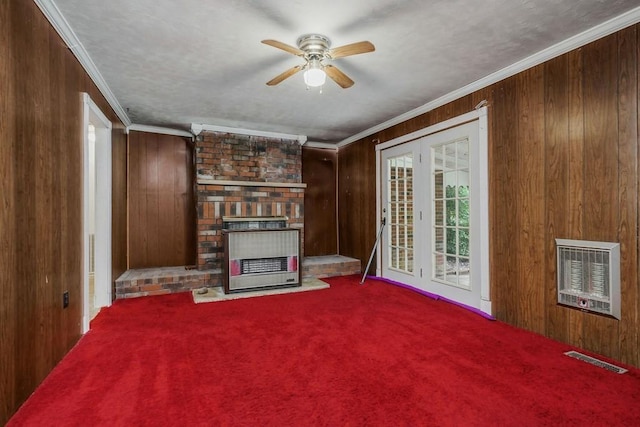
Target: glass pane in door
{"points": [[400, 212], [450, 207]]}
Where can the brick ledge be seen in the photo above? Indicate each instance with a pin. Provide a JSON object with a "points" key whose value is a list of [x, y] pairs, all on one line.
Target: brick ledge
{"points": [[204, 180]]}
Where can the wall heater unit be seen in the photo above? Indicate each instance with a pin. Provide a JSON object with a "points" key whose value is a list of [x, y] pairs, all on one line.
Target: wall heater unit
{"points": [[261, 259], [589, 276]]}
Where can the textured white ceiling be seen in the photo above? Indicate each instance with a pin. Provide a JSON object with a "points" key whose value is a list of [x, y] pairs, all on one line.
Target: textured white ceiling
{"points": [[173, 63]]}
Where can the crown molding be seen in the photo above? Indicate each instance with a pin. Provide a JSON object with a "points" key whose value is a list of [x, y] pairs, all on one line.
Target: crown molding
{"points": [[160, 130], [599, 31], [323, 145], [58, 21], [438, 127], [197, 128]]}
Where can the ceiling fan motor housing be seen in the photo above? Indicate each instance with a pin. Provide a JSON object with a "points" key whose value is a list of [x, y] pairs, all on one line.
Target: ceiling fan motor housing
{"points": [[314, 46]]}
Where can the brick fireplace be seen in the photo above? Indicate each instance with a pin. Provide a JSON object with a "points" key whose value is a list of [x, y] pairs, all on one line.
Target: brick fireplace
{"points": [[237, 175], [241, 175]]}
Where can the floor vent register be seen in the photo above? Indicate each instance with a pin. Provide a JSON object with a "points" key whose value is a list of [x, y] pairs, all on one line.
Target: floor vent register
{"points": [[596, 362]]}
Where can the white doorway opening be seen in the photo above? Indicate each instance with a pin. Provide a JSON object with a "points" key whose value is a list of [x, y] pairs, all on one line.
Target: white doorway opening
{"points": [[97, 283]]}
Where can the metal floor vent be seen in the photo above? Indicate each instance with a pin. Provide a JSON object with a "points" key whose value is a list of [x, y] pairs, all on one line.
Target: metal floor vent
{"points": [[596, 362]]}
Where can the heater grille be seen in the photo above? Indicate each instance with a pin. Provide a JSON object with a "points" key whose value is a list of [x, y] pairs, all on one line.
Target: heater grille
{"points": [[253, 222], [263, 265], [589, 275]]}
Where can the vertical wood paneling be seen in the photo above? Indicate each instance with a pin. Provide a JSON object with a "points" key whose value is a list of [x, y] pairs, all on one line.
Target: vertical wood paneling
{"points": [[150, 221], [320, 220], [503, 196], [56, 279], [356, 198], [601, 136], [349, 206], [576, 172], [188, 235], [600, 80], [41, 198], [184, 201], [8, 237], [135, 243], [119, 203], [166, 178], [530, 200], [556, 186], [28, 36], [628, 192], [161, 209], [47, 187]]}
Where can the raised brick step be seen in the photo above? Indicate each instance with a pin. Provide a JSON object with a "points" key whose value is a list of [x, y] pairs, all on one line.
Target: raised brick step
{"points": [[166, 280], [329, 266]]}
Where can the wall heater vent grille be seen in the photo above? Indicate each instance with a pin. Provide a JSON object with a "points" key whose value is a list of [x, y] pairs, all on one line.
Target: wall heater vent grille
{"points": [[589, 276], [253, 222]]}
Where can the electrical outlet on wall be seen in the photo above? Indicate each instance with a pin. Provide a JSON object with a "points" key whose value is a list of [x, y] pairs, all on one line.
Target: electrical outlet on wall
{"points": [[65, 299]]}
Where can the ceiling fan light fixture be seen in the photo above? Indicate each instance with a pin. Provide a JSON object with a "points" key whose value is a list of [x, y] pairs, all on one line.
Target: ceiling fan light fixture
{"points": [[314, 75], [315, 48]]}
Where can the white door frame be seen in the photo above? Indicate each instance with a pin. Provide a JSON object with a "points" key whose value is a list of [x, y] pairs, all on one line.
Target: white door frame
{"points": [[93, 115], [479, 114]]}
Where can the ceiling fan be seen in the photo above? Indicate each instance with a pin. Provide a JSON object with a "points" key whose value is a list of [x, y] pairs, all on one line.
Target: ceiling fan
{"points": [[315, 50]]}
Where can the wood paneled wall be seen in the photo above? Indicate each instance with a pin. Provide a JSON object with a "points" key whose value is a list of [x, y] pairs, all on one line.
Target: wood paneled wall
{"points": [[319, 172], [357, 201], [41, 199], [162, 220], [563, 163], [118, 202]]}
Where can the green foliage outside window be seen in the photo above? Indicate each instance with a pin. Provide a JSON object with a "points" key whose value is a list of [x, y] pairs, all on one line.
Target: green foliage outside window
{"points": [[460, 220]]}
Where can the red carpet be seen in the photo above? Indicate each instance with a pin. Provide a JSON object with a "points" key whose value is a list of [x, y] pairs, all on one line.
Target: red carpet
{"points": [[351, 355]]}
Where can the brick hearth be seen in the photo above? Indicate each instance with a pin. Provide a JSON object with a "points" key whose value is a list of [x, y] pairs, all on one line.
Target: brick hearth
{"points": [[159, 281]]}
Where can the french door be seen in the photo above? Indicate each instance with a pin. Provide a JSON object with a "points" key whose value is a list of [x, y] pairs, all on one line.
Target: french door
{"points": [[399, 248], [433, 198]]}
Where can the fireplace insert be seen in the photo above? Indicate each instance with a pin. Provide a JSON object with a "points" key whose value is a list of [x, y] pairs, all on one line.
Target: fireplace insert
{"points": [[261, 258]]}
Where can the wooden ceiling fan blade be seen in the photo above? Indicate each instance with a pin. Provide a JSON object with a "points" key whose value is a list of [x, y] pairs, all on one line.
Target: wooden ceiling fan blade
{"points": [[279, 78], [338, 76], [284, 46], [351, 49]]}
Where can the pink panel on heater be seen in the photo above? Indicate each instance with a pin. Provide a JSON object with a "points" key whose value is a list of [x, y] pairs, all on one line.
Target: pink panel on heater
{"points": [[234, 267], [292, 263]]}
